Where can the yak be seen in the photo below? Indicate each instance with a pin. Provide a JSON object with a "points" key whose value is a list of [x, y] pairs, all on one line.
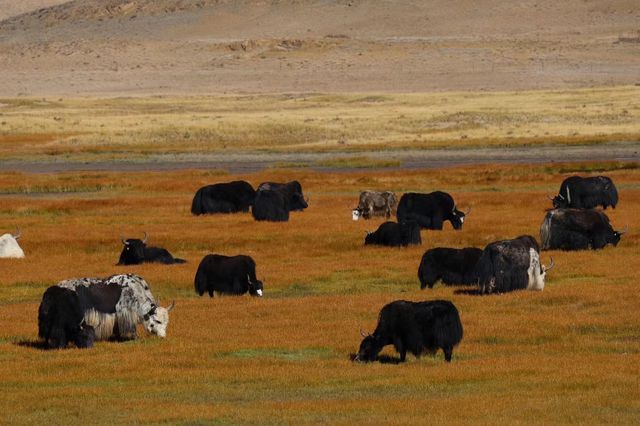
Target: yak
{"points": [[509, 265], [61, 320], [135, 252], [586, 193], [9, 247], [394, 234], [291, 190], [417, 327], [575, 229], [271, 205], [114, 306], [430, 210], [373, 203], [234, 275], [451, 265], [225, 197]]}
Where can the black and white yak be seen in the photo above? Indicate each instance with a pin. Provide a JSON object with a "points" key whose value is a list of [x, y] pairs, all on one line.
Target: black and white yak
{"points": [[452, 266], [509, 265], [586, 193], [394, 234], [431, 210], [575, 229], [136, 252], [372, 203], [416, 327], [114, 306], [235, 275], [224, 197]]}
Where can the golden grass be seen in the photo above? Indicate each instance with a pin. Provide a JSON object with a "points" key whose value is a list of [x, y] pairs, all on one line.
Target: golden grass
{"points": [[570, 354], [92, 129]]}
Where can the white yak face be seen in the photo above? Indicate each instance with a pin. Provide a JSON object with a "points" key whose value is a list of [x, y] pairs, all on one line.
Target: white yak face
{"points": [[158, 322], [355, 214], [536, 272]]}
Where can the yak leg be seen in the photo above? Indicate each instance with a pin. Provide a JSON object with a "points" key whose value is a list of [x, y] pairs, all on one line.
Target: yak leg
{"points": [[448, 351], [436, 222], [401, 348]]}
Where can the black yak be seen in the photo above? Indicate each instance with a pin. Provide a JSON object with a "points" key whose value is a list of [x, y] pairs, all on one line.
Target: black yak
{"points": [[509, 265], [430, 210], [225, 197], [61, 320], [291, 190], [135, 252], [452, 266], [394, 234], [271, 205], [417, 327], [227, 274], [574, 229], [586, 193]]}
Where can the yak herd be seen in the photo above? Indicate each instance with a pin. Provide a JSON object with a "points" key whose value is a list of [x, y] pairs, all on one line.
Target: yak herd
{"points": [[80, 311]]}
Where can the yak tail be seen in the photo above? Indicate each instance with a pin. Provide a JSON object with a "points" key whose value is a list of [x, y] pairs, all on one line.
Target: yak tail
{"points": [[545, 231], [200, 282], [196, 204]]}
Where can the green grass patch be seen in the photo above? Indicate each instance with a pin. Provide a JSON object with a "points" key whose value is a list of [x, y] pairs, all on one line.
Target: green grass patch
{"points": [[358, 163], [280, 353]]}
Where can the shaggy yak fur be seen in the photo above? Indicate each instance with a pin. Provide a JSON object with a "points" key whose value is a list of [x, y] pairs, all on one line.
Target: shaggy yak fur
{"points": [[61, 320], [430, 210], [417, 327], [226, 197], [395, 234], [227, 275], [452, 266]]}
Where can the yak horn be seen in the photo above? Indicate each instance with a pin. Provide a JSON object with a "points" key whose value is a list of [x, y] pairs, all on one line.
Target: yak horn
{"points": [[170, 307], [16, 236], [144, 240], [123, 240], [363, 334], [468, 211], [248, 279], [550, 197], [551, 265], [367, 233], [626, 229]]}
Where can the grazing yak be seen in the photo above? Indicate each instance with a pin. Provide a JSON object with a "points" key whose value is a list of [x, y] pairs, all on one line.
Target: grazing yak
{"points": [[394, 234], [575, 229], [373, 203], [451, 265], [114, 306], [430, 210], [9, 247], [135, 252], [227, 274], [271, 205], [511, 265], [291, 190], [586, 193], [417, 327], [61, 320], [225, 197]]}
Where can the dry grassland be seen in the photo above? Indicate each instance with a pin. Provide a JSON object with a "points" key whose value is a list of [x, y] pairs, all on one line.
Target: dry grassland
{"points": [[569, 354], [130, 128]]}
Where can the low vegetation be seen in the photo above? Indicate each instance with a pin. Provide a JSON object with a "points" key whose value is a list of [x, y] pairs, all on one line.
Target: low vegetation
{"points": [[569, 354]]}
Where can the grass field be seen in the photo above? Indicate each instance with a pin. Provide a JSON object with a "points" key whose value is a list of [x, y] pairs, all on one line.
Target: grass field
{"points": [[90, 129], [569, 354]]}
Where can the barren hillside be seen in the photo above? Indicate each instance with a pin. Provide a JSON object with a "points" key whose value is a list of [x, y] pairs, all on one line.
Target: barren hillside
{"points": [[217, 46]]}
